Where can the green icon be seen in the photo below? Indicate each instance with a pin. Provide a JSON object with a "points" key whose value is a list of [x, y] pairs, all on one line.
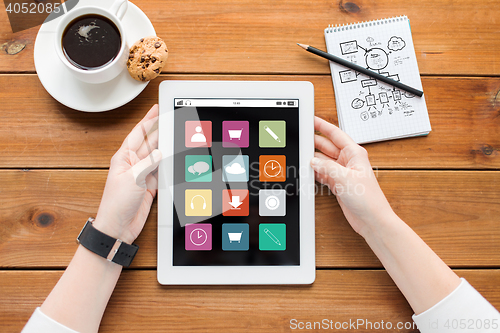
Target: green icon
{"points": [[272, 237], [198, 168], [272, 134]]}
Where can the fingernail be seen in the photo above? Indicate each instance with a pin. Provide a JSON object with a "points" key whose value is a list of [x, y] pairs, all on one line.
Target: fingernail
{"points": [[315, 161], [157, 154]]}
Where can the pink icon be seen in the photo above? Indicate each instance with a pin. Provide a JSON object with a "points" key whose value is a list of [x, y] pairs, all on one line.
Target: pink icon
{"points": [[198, 133], [198, 237], [235, 134]]}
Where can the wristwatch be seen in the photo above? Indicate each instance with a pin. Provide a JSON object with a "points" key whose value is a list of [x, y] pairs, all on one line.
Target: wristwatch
{"points": [[112, 249]]}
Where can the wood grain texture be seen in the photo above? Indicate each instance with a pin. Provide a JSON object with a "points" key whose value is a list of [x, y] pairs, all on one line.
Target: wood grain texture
{"points": [[140, 304], [235, 36], [456, 212], [39, 132]]}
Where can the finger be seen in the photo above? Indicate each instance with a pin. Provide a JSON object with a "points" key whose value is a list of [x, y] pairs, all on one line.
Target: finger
{"points": [[155, 174], [328, 168], [152, 184], [319, 154], [320, 178], [145, 166], [326, 146], [339, 138], [136, 137], [150, 143]]}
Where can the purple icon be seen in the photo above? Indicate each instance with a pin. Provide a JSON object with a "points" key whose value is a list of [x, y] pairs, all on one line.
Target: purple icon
{"points": [[198, 237], [235, 134]]}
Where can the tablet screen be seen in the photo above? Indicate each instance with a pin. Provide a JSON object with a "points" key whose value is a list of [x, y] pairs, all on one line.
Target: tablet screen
{"points": [[236, 173]]}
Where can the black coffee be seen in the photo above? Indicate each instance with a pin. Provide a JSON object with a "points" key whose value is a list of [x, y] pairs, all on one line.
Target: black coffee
{"points": [[91, 41]]}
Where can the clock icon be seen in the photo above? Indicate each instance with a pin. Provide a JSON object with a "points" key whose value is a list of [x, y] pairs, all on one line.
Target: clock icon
{"points": [[198, 237], [272, 168]]}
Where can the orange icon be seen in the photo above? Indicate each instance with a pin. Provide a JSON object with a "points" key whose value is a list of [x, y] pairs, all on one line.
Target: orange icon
{"points": [[235, 202], [272, 168]]}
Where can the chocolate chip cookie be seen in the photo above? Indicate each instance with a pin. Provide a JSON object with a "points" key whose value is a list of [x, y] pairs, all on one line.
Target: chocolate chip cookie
{"points": [[147, 58]]}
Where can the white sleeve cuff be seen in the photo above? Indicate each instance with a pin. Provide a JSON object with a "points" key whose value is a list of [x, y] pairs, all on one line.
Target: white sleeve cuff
{"points": [[463, 310], [41, 323]]}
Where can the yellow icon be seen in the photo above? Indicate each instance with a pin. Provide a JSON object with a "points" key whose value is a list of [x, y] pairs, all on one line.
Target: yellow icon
{"points": [[198, 202]]}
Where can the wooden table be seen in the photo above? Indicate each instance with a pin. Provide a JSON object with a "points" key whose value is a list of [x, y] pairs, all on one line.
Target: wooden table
{"points": [[54, 160]]}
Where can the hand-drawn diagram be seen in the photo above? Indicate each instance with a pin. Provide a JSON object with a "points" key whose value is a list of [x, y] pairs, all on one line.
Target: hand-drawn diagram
{"points": [[375, 99]]}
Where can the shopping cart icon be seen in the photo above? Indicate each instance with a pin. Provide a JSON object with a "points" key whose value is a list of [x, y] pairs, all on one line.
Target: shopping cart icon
{"points": [[234, 236], [237, 236], [235, 134]]}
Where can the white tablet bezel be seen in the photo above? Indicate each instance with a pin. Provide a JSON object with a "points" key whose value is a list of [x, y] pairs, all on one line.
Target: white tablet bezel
{"points": [[209, 275]]}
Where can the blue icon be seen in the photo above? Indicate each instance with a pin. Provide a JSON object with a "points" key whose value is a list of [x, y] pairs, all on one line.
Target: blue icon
{"points": [[235, 168], [235, 237]]}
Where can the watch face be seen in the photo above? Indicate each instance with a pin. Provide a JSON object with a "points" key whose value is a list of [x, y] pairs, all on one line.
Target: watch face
{"points": [[272, 168]]}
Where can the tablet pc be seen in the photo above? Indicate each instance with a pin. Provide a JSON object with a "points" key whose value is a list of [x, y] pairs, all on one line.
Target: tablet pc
{"points": [[236, 190]]}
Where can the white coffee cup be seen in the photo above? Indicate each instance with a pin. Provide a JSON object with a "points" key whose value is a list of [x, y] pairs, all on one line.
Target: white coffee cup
{"points": [[102, 74]]}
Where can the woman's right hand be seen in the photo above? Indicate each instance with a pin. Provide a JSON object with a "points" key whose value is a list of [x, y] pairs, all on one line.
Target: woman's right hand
{"points": [[343, 165]]}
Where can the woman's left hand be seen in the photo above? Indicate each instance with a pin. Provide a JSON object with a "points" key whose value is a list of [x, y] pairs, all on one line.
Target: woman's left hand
{"points": [[131, 185]]}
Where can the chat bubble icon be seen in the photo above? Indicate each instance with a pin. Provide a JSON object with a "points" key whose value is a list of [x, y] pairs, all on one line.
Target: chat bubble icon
{"points": [[396, 43], [199, 167]]}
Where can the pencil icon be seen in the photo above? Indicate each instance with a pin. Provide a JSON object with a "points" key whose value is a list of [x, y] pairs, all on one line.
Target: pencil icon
{"points": [[271, 133], [273, 238]]}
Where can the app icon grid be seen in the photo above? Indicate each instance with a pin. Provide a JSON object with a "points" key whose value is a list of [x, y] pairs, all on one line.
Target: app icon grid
{"points": [[235, 168]]}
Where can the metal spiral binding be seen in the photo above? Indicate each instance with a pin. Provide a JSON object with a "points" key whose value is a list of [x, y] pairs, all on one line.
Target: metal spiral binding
{"points": [[364, 24]]}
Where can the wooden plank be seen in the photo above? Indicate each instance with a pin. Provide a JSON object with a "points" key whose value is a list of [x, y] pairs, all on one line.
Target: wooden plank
{"points": [[140, 304], [456, 212], [39, 132], [235, 36]]}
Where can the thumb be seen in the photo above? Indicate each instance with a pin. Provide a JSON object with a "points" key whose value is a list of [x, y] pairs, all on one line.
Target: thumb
{"points": [[145, 166], [328, 168]]}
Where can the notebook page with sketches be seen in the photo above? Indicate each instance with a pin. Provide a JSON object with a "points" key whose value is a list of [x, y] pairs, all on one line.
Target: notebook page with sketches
{"points": [[370, 110]]}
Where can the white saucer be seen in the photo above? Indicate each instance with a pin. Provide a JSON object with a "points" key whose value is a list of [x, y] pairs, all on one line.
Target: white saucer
{"points": [[76, 94]]}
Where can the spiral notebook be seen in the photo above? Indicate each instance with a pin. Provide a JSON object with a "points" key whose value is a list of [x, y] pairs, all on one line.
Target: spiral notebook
{"points": [[369, 110]]}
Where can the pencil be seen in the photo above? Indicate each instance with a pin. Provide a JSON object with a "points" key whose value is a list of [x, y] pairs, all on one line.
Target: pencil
{"points": [[363, 70]]}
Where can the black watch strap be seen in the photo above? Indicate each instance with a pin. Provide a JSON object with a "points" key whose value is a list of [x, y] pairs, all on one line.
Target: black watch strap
{"points": [[106, 246]]}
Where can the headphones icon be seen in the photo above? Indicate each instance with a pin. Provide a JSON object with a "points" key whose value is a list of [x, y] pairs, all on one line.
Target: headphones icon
{"points": [[204, 201]]}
